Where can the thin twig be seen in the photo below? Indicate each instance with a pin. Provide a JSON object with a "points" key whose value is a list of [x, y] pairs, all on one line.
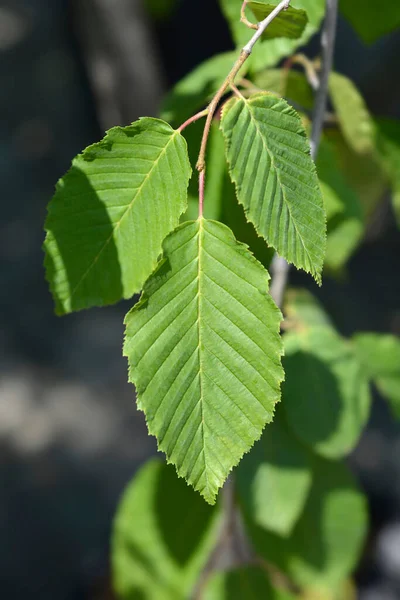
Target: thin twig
{"points": [[328, 49], [202, 176], [280, 268], [193, 119], [280, 274], [244, 19]]}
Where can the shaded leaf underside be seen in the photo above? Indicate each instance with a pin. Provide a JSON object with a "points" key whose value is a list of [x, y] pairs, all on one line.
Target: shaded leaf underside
{"points": [[204, 352]]}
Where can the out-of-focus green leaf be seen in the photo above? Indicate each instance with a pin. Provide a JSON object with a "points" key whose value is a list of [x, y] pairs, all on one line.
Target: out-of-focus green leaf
{"points": [[303, 310], [275, 178], [380, 354], [326, 393], [345, 233], [364, 172], [162, 536], [204, 352], [388, 140], [111, 212], [371, 19], [197, 88], [334, 186], [246, 583], [160, 9], [346, 222], [267, 476], [346, 590], [289, 23], [355, 121], [292, 85], [327, 540]]}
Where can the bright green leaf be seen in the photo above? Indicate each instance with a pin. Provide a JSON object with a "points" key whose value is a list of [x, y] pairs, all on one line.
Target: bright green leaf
{"points": [[204, 353], [380, 354], [267, 476], [162, 537], [326, 393], [371, 19], [327, 540], [276, 181], [388, 139], [197, 88], [289, 23], [111, 212], [355, 121], [246, 583]]}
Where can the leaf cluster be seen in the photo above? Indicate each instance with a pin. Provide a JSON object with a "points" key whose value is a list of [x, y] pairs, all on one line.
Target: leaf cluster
{"points": [[203, 342]]}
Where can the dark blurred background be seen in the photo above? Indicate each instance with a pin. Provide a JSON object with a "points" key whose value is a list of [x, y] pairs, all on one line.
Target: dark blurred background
{"points": [[70, 434]]}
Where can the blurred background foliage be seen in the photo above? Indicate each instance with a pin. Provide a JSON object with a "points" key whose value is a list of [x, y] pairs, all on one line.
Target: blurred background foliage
{"points": [[70, 435]]}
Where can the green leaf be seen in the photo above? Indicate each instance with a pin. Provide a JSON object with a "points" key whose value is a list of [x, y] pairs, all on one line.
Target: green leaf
{"points": [[204, 352], [293, 85], [346, 221], [111, 212], [162, 536], [334, 186], [303, 310], [246, 583], [194, 91], [345, 233], [276, 181], [388, 139], [326, 393], [363, 172], [289, 23], [380, 355], [267, 476], [327, 540], [371, 20], [355, 121], [269, 52]]}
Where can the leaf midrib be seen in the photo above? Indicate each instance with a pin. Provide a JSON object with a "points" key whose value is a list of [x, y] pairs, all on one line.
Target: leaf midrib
{"points": [[199, 294], [117, 225]]}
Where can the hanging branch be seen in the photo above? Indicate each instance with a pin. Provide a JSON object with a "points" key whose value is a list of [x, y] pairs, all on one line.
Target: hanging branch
{"points": [[279, 267]]}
